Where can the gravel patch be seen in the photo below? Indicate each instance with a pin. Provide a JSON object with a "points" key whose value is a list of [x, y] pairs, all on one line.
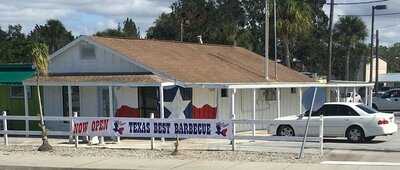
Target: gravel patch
{"points": [[161, 154]]}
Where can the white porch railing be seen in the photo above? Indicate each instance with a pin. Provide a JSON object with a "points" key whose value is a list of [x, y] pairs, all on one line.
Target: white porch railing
{"points": [[271, 137], [266, 137]]}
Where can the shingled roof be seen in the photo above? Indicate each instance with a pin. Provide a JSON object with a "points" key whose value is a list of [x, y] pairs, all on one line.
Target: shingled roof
{"points": [[196, 63]]}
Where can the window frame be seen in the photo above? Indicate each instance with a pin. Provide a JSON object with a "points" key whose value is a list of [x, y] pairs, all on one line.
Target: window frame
{"points": [[87, 47], [224, 93], [12, 96]]}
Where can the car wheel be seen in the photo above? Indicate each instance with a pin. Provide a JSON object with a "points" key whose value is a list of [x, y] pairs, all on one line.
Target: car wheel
{"points": [[285, 130], [355, 134], [369, 138]]}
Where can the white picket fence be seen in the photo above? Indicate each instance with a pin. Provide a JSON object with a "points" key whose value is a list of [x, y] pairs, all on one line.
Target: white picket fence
{"points": [[236, 136]]}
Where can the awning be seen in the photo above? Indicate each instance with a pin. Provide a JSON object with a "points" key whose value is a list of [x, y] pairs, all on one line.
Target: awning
{"points": [[14, 77], [98, 80]]}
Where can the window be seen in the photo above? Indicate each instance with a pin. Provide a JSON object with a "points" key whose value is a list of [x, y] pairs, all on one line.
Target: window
{"points": [[315, 113], [367, 109], [346, 111], [390, 94], [269, 94], [335, 110], [18, 92], [75, 100], [395, 93], [293, 90], [224, 92], [87, 51]]}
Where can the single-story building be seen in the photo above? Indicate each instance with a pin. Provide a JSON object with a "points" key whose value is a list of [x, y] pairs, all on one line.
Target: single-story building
{"points": [[99, 76], [12, 92]]}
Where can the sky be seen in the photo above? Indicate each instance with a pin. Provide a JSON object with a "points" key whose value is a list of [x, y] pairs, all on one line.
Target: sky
{"points": [[86, 17], [389, 26]]}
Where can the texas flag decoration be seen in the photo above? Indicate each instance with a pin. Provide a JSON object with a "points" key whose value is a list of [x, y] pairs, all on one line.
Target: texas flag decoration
{"points": [[178, 102]]}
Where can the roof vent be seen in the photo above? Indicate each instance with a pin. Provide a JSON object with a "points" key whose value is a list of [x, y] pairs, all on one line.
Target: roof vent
{"points": [[200, 39]]}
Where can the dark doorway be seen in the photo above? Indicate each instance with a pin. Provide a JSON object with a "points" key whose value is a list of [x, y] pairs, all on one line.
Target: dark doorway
{"points": [[148, 102]]}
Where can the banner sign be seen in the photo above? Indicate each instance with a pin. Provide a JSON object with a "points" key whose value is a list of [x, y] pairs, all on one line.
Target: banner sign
{"points": [[142, 127]]}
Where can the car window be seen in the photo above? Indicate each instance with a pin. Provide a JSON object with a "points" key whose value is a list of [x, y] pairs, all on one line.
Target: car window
{"points": [[367, 109], [395, 93], [345, 111], [315, 113], [338, 110], [330, 110], [386, 94]]}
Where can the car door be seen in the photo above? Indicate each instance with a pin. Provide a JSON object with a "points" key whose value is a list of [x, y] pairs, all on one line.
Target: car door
{"points": [[313, 130], [389, 100], [395, 100], [337, 118]]}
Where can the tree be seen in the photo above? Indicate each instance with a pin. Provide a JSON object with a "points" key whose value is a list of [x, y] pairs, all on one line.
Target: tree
{"points": [[349, 31], [3, 35], [217, 21], [255, 24], [129, 30], [294, 18], [40, 55], [53, 34], [14, 46], [164, 28], [391, 55]]}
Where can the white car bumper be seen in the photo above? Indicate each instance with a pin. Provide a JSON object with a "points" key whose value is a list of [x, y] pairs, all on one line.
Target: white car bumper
{"points": [[388, 129]]}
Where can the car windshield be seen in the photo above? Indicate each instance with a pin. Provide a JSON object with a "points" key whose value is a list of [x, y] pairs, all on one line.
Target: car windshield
{"points": [[367, 109]]}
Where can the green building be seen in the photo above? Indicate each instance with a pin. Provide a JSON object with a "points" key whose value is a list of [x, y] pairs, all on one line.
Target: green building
{"points": [[12, 94]]}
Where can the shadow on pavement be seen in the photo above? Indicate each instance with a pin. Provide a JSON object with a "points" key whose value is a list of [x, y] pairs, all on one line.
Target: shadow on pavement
{"points": [[345, 141]]}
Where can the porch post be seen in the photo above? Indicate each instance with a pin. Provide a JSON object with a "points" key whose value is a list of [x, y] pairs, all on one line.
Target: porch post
{"points": [[370, 96], [26, 110], [278, 98], [366, 96], [300, 100], [70, 110], [233, 117], [354, 94], [161, 91], [338, 94], [111, 107], [110, 100], [254, 112], [69, 101]]}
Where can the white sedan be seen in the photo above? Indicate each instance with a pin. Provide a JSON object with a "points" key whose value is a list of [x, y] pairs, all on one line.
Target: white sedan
{"points": [[357, 122]]}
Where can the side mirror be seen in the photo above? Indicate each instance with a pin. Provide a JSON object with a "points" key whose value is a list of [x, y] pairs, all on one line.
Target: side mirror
{"points": [[300, 116]]}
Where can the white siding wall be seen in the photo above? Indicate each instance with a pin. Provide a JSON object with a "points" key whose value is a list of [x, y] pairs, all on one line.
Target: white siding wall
{"points": [[106, 62], [52, 106], [88, 99], [202, 96], [265, 110], [126, 96]]}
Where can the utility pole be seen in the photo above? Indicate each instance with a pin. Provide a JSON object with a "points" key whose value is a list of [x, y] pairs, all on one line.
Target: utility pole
{"points": [[266, 40], [275, 44], [376, 61], [376, 7], [332, 4], [372, 44]]}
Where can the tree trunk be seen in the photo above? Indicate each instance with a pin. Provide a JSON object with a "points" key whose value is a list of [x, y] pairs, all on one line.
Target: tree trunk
{"points": [[45, 143], [287, 50], [348, 64]]}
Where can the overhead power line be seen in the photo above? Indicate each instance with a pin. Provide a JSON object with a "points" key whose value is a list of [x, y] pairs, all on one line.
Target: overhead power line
{"points": [[366, 15], [358, 3]]}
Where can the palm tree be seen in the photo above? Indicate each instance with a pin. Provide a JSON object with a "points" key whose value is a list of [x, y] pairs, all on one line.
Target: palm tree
{"points": [[40, 54], [293, 17], [349, 31]]}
